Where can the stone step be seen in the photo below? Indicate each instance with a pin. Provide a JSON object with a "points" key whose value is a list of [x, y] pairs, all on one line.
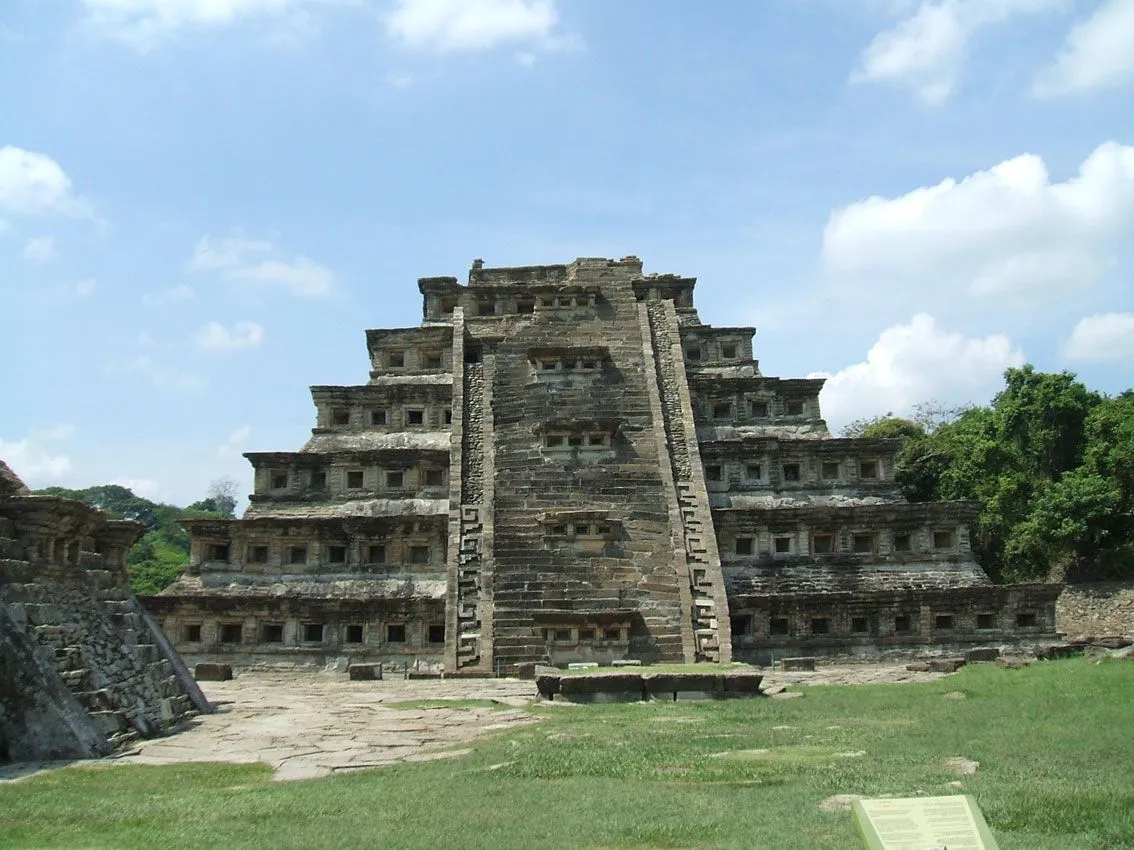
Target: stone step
{"points": [[110, 722], [96, 701], [75, 678]]}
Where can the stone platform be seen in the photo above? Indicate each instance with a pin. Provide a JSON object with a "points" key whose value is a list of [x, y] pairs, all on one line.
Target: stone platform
{"points": [[625, 686]]}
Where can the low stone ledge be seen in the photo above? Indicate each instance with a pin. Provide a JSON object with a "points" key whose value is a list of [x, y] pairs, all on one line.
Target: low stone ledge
{"points": [[1051, 651], [946, 665], [632, 687], [801, 665], [982, 653], [211, 672], [364, 672]]}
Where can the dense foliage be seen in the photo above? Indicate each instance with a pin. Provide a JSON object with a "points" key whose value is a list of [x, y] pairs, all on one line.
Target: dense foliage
{"points": [[158, 558], [1052, 464]]}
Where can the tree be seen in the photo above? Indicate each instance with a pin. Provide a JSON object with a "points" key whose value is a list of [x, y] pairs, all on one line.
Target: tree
{"points": [[1050, 461], [221, 499]]}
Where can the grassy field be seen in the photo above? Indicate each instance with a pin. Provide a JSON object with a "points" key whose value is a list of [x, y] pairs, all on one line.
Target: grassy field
{"points": [[1055, 744]]}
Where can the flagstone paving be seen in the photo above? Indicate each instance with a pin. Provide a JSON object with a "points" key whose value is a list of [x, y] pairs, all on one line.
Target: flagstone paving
{"points": [[312, 724]]}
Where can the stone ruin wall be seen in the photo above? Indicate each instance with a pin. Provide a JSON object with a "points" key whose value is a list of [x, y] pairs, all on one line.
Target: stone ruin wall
{"points": [[882, 625], [83, 668], [1096, 609], [255, 628]]}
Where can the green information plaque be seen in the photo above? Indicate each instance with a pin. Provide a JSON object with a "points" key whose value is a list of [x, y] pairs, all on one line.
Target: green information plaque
{"points": [[923, 823]]}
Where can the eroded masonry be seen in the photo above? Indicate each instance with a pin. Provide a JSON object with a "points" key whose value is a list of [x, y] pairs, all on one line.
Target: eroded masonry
{"points": [[84, 669], [563, 463]]}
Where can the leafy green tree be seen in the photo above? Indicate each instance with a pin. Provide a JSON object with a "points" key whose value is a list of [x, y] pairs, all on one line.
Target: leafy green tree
{"points": [[1050, 461]]}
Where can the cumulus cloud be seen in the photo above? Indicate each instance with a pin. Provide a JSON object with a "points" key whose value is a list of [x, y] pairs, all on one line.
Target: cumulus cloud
{"points": [[85, 287], [40, 249], [156, 373], [927, 50], [303, 277], [216, 336], [62, 431], [233, 259], [453, 25], [147, 488], [915, 362], [229, 252], [1009, 230], [1101, 338], [36, 464], [144, 23], [35, 184], [1098, 53], [235, 443]]}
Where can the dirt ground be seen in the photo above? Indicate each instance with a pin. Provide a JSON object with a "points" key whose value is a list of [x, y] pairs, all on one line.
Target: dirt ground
{"points": [[312, 724]]}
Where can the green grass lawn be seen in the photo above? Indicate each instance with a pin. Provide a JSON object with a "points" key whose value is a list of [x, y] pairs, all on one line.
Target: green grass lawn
{"points": [[1055, 744]]}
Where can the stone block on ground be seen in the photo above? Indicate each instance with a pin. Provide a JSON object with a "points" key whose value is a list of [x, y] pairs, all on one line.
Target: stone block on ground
{"points": [[982, 653], [1112, 642], [208, 671], [364, 672], [918, 667], [1052, 651], [547, 684], [1012, 662], [608, 687], [946, 665], [799, 665], [742, 684]]}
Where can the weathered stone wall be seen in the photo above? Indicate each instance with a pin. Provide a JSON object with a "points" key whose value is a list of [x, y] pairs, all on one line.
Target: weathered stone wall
{"points": [[307, 625], [884, 624], [39, 716], [83, 670], [1096, 609]]}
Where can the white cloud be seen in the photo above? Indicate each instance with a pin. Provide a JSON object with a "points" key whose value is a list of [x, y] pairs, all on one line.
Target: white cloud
{"points": [[232, 259], [147, 488], [1098, 53], [302, 277], [235, 443], [227, 253], [144, 23], [37, 466], [916, 362], [145, 340], [34, 184], [159, 375], [40, 249], [1101, 338], [62, 431], [5, 226], [214, 335], [452, 25], [174, 294], [85, 287], [927, 50], [1006, 231]]}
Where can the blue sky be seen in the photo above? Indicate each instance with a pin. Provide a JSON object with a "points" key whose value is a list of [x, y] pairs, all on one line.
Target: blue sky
{"points": [[203, 203]]}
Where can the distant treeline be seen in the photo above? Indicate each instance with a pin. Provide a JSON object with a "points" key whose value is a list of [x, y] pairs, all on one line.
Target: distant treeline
{"points": [[1052, 463]]}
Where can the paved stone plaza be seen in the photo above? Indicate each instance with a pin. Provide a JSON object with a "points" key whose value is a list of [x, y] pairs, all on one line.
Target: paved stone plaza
{"points": [[308, 725]]}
